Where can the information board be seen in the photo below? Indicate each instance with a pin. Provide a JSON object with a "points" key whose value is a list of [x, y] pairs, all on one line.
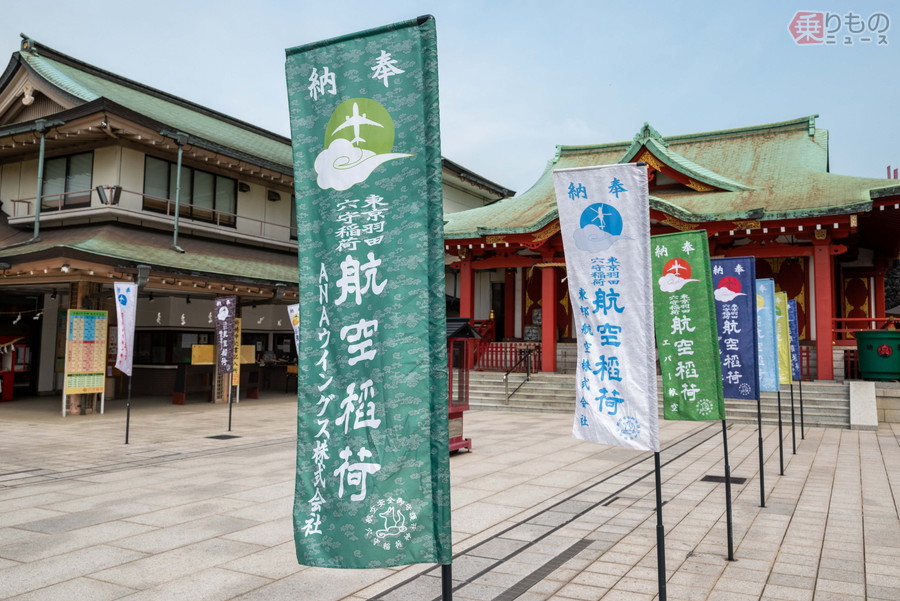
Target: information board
{"points": [[86, 338]]}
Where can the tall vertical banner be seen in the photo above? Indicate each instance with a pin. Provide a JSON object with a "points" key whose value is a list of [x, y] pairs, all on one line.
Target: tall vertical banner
{"points": [[734, 288], [767, 342], [686, 337], [126, 306], [783, 336], [226, 307], [604, 221], [236, 353], [294, 314], [373, 477], [794, 329]]}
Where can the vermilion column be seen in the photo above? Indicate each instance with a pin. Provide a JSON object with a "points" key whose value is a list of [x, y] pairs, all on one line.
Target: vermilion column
{"points": [[824, 274], [549, 302], [466, 289]]}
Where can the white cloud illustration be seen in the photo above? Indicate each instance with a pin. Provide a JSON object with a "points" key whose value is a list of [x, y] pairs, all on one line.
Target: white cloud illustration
{"points": [[591, 238], [672, 283], [724, 295], [342, 165]]}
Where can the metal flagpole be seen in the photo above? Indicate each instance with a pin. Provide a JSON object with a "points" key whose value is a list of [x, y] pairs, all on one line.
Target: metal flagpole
{"points": [[128, 411], [728, 520], [780, 436], [793, 423], [759, 444], [230, 391], [802, 427], [446, 582], [660, 533]]}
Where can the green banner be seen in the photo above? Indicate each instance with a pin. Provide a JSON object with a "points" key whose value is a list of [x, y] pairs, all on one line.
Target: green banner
{"points": [[373, 479], [783, 335], [686, 337]]}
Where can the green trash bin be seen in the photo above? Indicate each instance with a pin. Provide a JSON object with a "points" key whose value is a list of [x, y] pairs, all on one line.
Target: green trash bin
{"points": [[879, 354]]}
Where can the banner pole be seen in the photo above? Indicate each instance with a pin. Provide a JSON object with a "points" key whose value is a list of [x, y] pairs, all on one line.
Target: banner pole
{"points": [[128, 411], [230, 391], [660, 532], [759, 444], [780, 437], [728, 515], [802, 426], [793, 423], [446, 582]]}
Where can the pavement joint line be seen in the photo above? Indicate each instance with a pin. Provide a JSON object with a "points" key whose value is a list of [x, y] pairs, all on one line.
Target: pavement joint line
{"points": [[572, 517], [127, 465], [521, 587]]}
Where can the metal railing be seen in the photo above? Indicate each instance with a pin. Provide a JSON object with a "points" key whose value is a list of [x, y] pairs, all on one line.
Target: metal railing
{"points": [[149, 204], [844, 328], [526, 358]]}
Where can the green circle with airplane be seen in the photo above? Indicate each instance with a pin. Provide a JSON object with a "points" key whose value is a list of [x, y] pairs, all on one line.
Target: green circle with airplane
{"points": [[363, 122]]}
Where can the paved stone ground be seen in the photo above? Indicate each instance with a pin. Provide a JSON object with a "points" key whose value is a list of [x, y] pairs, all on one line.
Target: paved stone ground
{"points": [[537, 515]]}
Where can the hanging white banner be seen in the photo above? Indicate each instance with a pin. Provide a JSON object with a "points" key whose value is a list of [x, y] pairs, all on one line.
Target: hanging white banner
{"points": [[604, 218], [294, 314], [126, 305]]}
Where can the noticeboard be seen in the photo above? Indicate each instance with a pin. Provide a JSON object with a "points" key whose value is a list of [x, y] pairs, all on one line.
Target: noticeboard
{"points": [[86, 339]]}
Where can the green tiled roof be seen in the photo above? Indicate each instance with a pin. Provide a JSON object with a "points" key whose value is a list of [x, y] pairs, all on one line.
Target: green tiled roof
{"points": [[209, 257], [773, 171], [88, 83]]}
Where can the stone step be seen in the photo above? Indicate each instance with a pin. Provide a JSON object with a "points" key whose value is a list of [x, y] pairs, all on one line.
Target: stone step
{"points": [[824, 403]]}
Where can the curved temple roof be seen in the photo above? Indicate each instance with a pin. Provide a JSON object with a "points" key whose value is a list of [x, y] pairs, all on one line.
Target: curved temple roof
{"points": [[763, 172]]}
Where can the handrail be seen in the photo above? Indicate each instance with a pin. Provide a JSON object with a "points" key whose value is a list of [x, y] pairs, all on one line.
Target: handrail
{"points": [[844, 328], [526, 357], [220, 219]]}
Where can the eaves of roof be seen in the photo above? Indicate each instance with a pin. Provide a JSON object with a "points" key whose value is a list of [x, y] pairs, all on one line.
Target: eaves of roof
{"points": [[777, 171], [130, 245], [87, 83]]}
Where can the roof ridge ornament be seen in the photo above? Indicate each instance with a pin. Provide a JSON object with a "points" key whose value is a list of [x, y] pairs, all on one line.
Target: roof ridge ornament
{"points": [[648, 132], [28, 45]]}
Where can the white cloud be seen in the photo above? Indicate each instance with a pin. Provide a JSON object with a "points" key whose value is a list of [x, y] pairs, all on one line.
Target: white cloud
{"points": [[342, 165], [591, 238], [672, 283], [725, 295]]}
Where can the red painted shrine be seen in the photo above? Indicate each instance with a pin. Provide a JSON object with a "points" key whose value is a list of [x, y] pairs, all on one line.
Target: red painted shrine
{"points": [[762, 191]]}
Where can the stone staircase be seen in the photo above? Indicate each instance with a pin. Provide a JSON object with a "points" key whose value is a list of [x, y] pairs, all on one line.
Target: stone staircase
{"points": [[825, 404]]}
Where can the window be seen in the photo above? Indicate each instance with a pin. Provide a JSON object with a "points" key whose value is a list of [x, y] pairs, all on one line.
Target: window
{"points": [[204, 196], [67, 182], [166, 347]]}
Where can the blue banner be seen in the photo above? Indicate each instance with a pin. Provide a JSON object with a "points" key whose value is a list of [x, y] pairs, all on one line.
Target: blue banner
{"points": [[795, 339], [734, 288], [767, 340]]}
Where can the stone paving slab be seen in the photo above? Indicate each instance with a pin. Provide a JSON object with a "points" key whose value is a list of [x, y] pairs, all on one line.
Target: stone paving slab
{"points": [[537, 515]]}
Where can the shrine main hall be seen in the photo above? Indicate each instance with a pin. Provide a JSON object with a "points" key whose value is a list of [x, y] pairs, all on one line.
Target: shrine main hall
{"points": [[763, 191]]}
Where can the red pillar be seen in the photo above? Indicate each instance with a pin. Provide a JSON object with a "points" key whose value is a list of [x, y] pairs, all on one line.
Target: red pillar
{"points": [[549, 302], [509, 303], [823, 266], [879, 309], [466, 289]]}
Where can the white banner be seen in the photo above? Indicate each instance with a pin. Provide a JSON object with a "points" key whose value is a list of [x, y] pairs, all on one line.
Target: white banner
{"points": [[126, 305], [294, 314], [604, 218]]}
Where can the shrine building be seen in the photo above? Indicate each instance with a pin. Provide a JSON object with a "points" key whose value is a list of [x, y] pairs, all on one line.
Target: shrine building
{"points": [[764, 191]]}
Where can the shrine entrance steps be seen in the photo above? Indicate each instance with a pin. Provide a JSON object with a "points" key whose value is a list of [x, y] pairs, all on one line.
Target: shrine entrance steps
{"points": [[825, 404]]}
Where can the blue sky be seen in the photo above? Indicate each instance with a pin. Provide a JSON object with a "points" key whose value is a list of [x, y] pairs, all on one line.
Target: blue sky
{"points": [[517, 78]]}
